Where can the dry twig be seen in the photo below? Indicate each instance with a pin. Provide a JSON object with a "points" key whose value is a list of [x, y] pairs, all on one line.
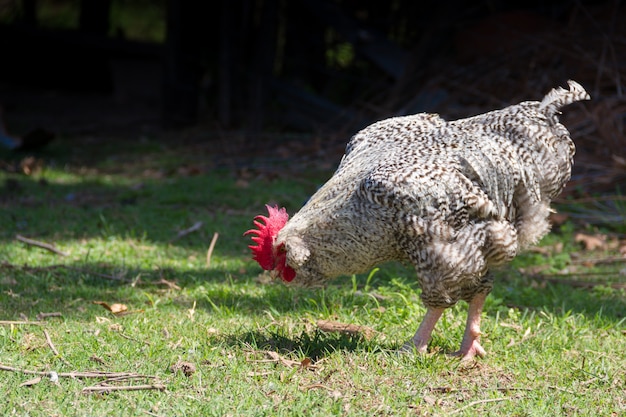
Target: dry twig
{"points": [[447, 390], [20, 322], [316, 386], [274, 357], [109, 388], [172, 285], [53, 348], [211, 247], [196, 226], [36, 380], [87, 374], [39, 244], [49, 340]]}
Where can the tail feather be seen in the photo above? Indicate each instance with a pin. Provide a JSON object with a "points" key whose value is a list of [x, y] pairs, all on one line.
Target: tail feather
{"points": [[560, 97]]}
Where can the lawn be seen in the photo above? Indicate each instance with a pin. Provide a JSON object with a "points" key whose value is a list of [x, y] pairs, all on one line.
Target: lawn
{"points": [[130, 312]]}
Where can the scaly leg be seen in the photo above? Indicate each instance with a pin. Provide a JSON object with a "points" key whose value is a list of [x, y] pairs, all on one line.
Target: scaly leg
{"points": [[422, 336], [470, 346]]}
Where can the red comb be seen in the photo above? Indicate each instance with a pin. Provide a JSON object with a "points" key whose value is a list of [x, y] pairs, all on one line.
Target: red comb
{"points": [[264, 235]]}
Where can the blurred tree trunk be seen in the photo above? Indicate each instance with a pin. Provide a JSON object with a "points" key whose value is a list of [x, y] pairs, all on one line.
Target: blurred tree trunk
{"points": [[187, 42], [225, 64], [263, 53], [94, 17]]}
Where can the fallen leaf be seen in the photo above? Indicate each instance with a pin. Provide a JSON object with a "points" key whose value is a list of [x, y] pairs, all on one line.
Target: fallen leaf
{"points": [[116, 308], [31, 382], [186, 368], [116, 327], [335, 395], [591, 242], [429, 399]]}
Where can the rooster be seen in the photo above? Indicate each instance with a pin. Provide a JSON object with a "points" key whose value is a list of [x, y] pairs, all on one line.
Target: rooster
{"points": [[454, 199]]}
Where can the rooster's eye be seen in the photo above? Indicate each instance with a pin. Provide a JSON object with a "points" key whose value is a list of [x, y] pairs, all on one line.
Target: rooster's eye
{"points": [[282, 249]]}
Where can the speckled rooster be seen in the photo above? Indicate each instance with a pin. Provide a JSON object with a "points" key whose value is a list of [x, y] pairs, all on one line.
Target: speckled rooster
{"points": [[453, 198]]}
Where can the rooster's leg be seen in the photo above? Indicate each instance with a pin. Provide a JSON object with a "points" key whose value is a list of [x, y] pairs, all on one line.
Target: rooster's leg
{"points": [[422, 336], [470, 346]]}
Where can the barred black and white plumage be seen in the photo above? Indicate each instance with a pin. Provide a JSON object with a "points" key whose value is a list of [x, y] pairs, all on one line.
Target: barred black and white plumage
{"points": [[453, 198]]}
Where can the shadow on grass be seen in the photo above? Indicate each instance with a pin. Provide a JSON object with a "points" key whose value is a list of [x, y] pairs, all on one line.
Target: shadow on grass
{"points": [[27, 290], [314, 345]]}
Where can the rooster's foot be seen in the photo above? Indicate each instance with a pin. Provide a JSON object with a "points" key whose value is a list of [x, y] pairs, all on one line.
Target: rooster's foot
{"points": [[469, 350]]}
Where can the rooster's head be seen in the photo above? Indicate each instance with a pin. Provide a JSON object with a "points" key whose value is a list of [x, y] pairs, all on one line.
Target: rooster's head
{"points": [[265, 252]]}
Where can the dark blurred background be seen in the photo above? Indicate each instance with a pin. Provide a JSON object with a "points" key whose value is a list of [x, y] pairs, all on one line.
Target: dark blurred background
{"points": [[316, 69]]}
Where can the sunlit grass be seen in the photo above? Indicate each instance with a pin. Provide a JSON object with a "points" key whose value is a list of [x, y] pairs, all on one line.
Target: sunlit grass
{"points": [[554, 349]]}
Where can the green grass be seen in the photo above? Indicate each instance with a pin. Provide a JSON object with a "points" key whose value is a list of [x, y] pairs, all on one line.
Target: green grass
{"points": [[553, 349]]}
